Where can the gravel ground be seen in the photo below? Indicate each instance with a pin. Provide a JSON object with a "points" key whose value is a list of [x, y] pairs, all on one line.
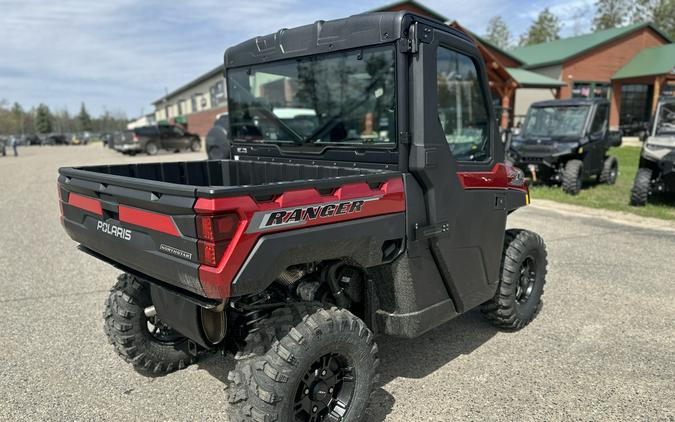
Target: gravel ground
{"points": [[603, 347]]}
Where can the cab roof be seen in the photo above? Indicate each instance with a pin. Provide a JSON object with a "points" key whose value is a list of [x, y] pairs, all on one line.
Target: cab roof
{"points": [[367, 29]]}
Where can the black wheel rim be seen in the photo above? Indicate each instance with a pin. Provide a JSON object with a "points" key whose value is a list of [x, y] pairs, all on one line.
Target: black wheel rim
{"points": [[527, 279], [326, 390]]}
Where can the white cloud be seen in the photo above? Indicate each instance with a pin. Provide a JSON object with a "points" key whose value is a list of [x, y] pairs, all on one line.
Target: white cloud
{"points": [[121, 54]]}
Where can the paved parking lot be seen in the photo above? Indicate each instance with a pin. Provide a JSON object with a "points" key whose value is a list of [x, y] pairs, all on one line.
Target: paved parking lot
{"points": [[603, 347]]}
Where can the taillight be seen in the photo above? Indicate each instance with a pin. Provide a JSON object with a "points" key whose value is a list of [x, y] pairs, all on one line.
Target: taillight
{"points": [[214, 232], [216, 227]]}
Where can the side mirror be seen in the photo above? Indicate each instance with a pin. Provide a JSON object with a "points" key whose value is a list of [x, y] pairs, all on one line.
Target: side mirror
{"points": [[614, 138]]}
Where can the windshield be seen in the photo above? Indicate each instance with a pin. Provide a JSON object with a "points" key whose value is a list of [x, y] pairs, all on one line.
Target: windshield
{"points": [[561, 121], [665, 119], [338, 99]]}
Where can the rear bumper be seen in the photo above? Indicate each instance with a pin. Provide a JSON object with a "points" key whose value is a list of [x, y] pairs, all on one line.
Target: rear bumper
{"points": [[128, 148], [140, 253]]}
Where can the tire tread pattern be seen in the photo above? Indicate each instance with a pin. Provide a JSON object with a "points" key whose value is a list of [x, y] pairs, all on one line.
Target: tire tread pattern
{"points": [[501, 309], [261, 376], [641, 186], [123, 328]]}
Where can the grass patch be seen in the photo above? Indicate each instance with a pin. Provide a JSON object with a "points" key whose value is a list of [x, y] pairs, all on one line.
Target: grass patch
{"points": [[614, 197]]}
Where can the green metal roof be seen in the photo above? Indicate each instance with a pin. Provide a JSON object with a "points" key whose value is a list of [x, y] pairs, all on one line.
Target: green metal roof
{"points": [[557, 51], [494, 46], [527, 79], [650, 61]]}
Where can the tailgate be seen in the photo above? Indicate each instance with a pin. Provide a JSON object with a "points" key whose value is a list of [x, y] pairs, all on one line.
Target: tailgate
{"points": [[151, 232]]}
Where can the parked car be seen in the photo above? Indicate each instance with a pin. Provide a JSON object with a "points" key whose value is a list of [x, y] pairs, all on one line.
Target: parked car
{"points": [[151, 139], [656, 173], [81, 138], [566, 142], [294, 252], [56, 139], [34, 139]]}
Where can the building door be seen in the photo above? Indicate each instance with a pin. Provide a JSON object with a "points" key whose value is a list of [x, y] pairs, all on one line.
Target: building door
{"points": [[636, 100]]}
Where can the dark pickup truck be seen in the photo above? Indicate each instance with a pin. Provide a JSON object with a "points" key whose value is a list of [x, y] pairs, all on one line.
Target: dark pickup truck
{"points": [[151, 139], [386, 215]]}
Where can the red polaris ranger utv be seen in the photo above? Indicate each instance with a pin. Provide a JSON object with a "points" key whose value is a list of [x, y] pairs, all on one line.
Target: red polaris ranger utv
{"points": [[365, 193]]}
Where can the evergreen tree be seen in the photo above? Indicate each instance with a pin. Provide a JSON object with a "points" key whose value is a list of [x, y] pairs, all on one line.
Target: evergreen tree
{"points": [[498, 33], [610, 14], [17, 115], [660, 12], [84, 119], [544, 29], [43, 119]]}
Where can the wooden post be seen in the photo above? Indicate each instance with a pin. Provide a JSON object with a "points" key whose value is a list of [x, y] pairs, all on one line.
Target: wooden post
{"points": [[506, 102], [658, 81], [614, 110]]}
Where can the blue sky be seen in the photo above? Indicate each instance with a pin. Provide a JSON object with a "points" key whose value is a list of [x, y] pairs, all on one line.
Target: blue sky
{"points": [[120, 55]]}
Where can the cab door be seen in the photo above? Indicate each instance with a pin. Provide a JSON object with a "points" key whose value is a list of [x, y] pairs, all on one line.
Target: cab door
{"points": [[456, 157], [597, 139]]}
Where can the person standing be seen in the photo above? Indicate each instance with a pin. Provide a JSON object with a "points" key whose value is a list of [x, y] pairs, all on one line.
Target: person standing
{"points": [[15, 144]]}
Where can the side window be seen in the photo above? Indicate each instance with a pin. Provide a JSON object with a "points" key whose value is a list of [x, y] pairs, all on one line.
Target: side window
{"points": [[461, 106], [600, 118]]}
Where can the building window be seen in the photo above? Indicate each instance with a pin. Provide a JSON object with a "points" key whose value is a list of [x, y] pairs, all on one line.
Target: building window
{"points": [[167, 112], [590, 90], [193, 103], [181, 107], [217, 93]]}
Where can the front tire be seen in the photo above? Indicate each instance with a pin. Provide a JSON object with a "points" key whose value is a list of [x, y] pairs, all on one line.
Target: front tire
{"points": [[610, 171], [523, 275], [572, 177], [146, 343], [305, 363], [641, 187]]}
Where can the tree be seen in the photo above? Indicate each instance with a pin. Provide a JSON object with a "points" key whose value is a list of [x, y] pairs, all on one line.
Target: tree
{"points": [[544, 29], [43, 119], [498, 33], [660, 12], [580, 16], [84, 119], [18, 117], [611, 14]]}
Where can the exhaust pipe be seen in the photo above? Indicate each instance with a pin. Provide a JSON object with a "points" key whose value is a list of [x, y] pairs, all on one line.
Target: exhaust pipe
{"points": [[150, 311]]}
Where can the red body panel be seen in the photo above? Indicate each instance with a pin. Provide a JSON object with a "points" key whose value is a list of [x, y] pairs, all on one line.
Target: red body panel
{"points": [[85, 203], [501, 176], [388, 198], [151, 220]]}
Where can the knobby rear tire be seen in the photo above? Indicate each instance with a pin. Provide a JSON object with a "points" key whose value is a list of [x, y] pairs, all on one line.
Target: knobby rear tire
{"points": [[125, 325], [266, 379]]}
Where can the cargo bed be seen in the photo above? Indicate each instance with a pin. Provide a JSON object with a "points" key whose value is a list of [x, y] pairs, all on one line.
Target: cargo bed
{"points": [[216, 178], [149, 218]]}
